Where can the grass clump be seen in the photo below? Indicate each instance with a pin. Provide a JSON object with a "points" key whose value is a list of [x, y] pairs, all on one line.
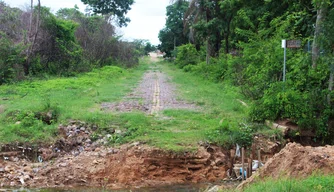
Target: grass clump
{"points": [[323, 183]]}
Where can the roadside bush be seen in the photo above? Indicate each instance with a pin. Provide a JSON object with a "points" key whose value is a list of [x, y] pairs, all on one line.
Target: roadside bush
{"points": [[58, 52], [307, 109], [229, 134], [11, 60], [263, 67], [186, 55], [64, 44], [302, 98], [234, 70], [215, 71], [27, 126]]}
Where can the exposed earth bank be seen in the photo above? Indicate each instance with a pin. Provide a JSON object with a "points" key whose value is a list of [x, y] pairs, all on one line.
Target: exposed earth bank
{"points": [[296, 161], [133, 165], [75, 160]]}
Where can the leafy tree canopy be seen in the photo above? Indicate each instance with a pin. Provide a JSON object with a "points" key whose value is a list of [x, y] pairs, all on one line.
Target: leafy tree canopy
{"points": [[173, 33], [116, 8], [149, 48]]}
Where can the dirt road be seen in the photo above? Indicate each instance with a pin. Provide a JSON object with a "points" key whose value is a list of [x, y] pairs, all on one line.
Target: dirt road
{"points": [[154, 93]]}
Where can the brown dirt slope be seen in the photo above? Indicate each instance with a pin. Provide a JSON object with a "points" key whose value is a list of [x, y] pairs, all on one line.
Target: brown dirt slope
{"points": [[129, 166], [295, 160]]}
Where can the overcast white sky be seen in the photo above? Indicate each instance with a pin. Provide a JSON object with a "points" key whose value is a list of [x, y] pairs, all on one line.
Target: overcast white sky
{"points": [[147, 16]]}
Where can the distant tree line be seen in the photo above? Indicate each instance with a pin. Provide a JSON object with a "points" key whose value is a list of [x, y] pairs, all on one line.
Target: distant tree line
{"points": [[239, 42], [37, 42]]}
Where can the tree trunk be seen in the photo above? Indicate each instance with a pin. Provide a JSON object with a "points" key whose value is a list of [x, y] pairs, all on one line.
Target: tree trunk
{"points": [[31, 15], [330, 84], [207, 39], [317, 31], [174, 43], [207, 51], [227, 35], [37, 25], [34, 36], [28, 39]]}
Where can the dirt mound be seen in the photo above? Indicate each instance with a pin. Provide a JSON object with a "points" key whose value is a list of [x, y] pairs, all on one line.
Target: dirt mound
{"points": [[129, 166], [295, 160]]}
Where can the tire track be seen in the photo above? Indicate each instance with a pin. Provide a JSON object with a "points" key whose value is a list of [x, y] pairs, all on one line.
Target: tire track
{"points": [[156, 97]]}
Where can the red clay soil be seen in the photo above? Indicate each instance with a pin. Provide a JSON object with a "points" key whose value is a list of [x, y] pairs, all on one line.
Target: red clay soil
{"points": [[295, 160], [129, 166]]}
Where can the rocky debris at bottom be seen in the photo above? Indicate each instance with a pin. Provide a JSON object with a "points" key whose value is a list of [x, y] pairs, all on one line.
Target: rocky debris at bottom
{"points": [[130, 165], [80, 158]]}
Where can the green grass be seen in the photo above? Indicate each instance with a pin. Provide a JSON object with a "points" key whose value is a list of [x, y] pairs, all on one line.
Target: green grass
{"points": [[69, 98], [313, 183]]}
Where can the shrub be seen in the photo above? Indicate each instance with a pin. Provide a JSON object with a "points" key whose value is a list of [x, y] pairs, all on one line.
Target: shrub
{"points": [[228, 134], [11, 60], [215, 71], [186, 55]]}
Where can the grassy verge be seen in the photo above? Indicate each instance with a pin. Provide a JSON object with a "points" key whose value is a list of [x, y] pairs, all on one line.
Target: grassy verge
{"points": [[26, 105], [313, 183]]}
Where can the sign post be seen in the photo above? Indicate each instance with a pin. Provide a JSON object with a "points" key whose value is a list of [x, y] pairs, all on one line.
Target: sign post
{"points": [[284, 64], [288, 44]]}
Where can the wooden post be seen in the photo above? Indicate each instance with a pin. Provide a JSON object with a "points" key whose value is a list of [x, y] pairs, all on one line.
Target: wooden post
{"points": [[243, 163], [232, 152], [253, 154], [259, 156], [249, 170]]}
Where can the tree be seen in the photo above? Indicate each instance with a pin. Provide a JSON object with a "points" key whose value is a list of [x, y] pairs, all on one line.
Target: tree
{"points": [[11, 59], [149, 48], [327, 38], [117, 8], [32, 35], [209, 21], [198, 18], [173, 34], [322, 7], [11, 22]]}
